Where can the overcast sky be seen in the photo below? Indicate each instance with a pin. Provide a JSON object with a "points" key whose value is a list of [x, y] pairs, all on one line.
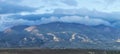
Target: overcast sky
{"points": [[45, 5], [91, 12]]}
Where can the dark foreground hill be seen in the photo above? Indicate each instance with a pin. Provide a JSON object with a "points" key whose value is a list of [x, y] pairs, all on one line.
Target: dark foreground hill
{"points": [[55, 51]]}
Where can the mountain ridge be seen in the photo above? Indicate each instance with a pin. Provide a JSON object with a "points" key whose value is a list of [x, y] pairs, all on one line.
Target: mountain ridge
{"points": [[61, 35]]}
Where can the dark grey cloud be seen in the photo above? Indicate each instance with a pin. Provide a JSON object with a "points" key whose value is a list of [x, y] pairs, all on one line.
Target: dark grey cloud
{"points": [[6, 8]]}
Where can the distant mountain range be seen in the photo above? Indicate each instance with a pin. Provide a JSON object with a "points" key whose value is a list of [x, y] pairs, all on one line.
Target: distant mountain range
{"points": [[60, 35]]}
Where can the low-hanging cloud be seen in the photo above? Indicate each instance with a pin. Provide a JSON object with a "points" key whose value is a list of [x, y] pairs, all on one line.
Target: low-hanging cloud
{"points": [[113, 16], [8, 23], [86, 20]]}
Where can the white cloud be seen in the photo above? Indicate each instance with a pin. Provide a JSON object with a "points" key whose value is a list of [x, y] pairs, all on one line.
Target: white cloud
{"points": [[84, 20]]}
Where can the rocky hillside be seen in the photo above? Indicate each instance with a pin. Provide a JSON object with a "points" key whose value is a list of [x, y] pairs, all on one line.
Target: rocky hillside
{"points": [[61, 35]]}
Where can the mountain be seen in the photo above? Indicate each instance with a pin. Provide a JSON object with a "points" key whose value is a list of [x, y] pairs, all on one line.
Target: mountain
{"points": [[60, 35]]}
